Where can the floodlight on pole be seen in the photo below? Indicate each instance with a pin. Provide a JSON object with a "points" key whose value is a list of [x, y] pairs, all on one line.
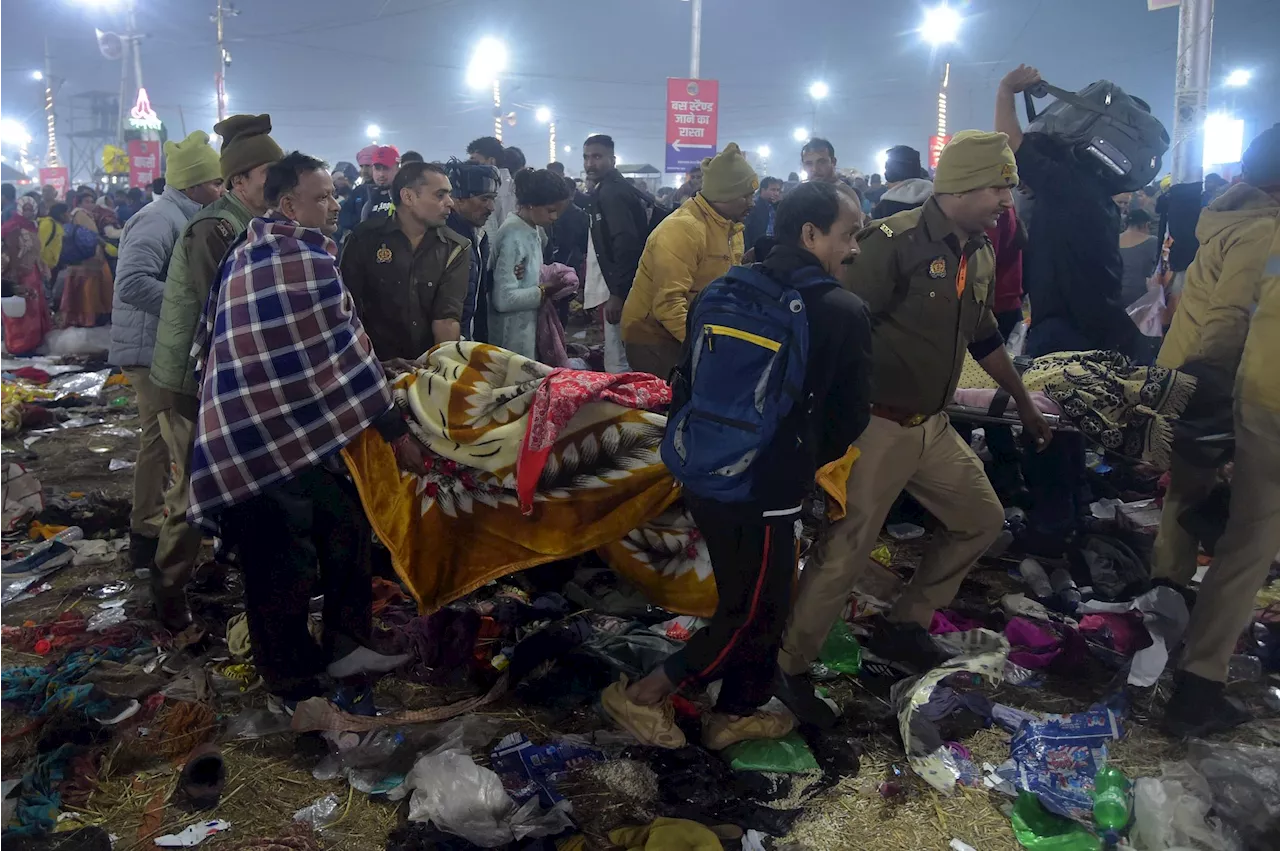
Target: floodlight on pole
{"points": [[941, 25], [568, 149], [14, 132], [763, 151], [488, 61], [819, 90], [373, 131], [37, 75], [1239, 77], [800, 134]]}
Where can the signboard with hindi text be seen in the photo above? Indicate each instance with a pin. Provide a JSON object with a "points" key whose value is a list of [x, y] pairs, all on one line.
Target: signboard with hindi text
{"points": [[144, 162], [59, 177], [692, 117]]}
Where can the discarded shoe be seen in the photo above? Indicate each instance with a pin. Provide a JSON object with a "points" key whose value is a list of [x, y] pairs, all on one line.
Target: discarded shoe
{"points": [[719, 730], [364, 660], [653, 725], [906, 643], [203, 777], [798, 695], [1200, 707]]}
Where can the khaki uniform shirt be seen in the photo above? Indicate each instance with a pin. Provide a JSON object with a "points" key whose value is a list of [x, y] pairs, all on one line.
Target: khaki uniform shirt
{"points": [[920, 326], [399, 290]]}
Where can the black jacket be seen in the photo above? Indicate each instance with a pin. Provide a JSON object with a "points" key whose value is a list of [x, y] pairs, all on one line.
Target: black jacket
{"points": [[568, 243], [836, 398], [759, 223], [619, 228]]}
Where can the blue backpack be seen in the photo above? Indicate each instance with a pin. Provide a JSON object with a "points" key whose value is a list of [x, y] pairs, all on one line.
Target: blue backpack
{"points": [[742, 372]]}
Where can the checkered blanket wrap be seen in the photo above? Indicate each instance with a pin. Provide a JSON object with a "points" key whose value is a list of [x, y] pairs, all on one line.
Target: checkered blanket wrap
{"points": [[289, 376]]}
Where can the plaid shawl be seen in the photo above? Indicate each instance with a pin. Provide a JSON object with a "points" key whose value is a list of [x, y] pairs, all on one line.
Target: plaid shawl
{"points": [[290, 376]]}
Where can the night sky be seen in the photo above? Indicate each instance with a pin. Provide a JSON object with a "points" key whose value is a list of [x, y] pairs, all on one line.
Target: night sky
{"points": [[325, 69]]}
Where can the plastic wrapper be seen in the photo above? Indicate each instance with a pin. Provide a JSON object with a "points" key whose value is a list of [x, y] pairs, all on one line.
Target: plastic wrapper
{"points": [[256, 723], [528, 770], [788, 755], [1039, 830], [464, 799], [841, 651], [193, 835], [117, 464], [116, 431], [1058, 756], [321, 814], [106, 619], [86, 385]]}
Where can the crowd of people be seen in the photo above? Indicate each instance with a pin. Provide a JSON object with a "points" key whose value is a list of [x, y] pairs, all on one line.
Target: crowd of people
{"points": [[258, 348]]}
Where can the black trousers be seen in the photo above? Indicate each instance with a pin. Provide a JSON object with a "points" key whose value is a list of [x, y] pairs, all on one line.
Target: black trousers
{"points": [[298, 538], [754, 564]]}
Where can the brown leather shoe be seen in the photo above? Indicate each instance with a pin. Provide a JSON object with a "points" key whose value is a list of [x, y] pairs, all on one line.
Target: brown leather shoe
{"points": [[719, 731], [203, 777]]}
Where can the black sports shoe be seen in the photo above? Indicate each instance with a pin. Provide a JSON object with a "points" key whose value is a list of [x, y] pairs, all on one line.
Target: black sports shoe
{"points": [[1199, 708], [797, 694], [908, 644]]}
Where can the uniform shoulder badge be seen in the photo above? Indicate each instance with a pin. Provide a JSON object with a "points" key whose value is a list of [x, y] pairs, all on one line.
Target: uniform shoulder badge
{"points": [[383, 254], [938, 267], [225, 230], [888, 231]]}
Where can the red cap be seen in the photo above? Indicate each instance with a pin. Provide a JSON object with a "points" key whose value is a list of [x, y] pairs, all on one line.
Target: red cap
{"points": [[386, 155], [365, 155]]}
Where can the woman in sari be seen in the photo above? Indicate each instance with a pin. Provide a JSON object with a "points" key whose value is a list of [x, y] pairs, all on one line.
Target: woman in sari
{"points": [[24, 268], [86, 295]]}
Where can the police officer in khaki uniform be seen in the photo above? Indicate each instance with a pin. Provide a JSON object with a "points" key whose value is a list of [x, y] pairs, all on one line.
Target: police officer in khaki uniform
{"points": [[926, 275], [247, 150], [408, 272]]}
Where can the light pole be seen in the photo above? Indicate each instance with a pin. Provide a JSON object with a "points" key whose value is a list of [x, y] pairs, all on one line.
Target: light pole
{"points": [[763, 153], [941, 28], [544, 116], [222, 10], [818, 90], [488, 61]]}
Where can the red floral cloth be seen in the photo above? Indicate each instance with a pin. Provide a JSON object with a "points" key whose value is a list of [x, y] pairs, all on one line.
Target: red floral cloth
{"points": [[559, 397]]}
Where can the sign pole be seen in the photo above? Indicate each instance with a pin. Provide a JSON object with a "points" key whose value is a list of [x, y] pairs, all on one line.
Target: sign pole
{"points": [[695, 58]]}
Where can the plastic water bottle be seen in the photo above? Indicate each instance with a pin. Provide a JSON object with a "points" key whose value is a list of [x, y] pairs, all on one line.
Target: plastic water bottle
{"points": [[1035, 577], [1065, 587], [1111, 804], [44, 552]]}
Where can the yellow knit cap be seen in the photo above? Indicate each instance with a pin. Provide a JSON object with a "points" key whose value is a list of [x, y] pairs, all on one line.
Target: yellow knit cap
{"points": [[727, 175], [190, 162], [975, 160]]}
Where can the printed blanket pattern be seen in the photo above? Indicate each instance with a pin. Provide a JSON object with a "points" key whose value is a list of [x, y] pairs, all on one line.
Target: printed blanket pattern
{"points": [[602, 482], [1126, 409]]}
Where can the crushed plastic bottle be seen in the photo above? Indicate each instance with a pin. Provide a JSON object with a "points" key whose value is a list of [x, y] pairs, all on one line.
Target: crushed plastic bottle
{"points": [[1065, 587]]}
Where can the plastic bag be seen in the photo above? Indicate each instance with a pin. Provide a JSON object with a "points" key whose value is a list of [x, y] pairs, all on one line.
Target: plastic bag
{"points": [[460, 797], [256, 723], [788, 755], [1245, 784], [86, 385], [1173, 813], [1147, 312], [1039, 830], [320, 814], [841, 651]]}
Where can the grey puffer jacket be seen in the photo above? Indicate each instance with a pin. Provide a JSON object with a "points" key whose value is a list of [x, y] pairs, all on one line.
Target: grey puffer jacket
{"points": [[145, 248]]}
